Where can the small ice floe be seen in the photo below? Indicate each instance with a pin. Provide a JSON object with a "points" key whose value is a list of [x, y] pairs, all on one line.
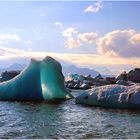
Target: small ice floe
{"points": [[112, 96]]}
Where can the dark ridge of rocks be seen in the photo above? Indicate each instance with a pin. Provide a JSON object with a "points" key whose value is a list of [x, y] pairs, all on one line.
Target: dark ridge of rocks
{"points": [[7, 75], [99, 76], [132, 75], [75, 81]]}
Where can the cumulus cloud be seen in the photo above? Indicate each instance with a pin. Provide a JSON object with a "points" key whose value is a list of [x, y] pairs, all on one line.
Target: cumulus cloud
{"points": [[94, 8], [59, 24], [72, 43], [71, 38], [74, 39], [124, 43], [69, 32], [118, 43], [90, 37]]}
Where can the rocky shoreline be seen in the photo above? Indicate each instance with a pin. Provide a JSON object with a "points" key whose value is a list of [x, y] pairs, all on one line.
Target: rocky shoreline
{"points": [[76, 81]]}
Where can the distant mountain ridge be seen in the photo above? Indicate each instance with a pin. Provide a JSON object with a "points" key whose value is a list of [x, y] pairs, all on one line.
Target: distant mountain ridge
{"points": [[74, 69], [15, 66]]}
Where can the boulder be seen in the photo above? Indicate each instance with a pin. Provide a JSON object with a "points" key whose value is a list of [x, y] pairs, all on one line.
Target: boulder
{"points": [[122, 76], [134, 75], [111, 80], [7, 75], [99, 76]]}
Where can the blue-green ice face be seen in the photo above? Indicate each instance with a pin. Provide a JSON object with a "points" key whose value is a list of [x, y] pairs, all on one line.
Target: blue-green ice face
{"points": [[41, 80], [52, 80]]}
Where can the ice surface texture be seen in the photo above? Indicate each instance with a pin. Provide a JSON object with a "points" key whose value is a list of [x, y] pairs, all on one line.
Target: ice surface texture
{"points": [[112, 96], [41, 80]]}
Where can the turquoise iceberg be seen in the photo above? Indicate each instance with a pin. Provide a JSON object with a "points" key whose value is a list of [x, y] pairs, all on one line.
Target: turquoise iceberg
{"points": [[41, 80]]}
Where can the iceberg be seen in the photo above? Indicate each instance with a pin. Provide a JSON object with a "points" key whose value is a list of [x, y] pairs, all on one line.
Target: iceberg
{"points": [[75, 77], [112, 96], [41, 80]]}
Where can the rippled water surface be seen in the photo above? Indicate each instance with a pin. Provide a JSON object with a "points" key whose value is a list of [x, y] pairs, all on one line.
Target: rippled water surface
{"points": [[66, 120]]}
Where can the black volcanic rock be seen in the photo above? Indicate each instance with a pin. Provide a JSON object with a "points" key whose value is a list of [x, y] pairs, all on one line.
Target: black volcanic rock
{"points": [[134, 75], [122, 76], [7, 75], [99, 76]]}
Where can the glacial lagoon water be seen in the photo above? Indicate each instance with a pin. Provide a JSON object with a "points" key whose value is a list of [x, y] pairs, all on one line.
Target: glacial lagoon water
{"points": [[66, 120]]}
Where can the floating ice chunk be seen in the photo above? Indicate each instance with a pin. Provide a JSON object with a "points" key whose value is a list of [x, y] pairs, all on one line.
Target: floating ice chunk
{"points": [[41, 80], [113, 96], [75, 77]]}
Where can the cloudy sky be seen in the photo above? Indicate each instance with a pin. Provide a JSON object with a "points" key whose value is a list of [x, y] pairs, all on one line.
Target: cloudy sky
{"points": [[95, 34]]}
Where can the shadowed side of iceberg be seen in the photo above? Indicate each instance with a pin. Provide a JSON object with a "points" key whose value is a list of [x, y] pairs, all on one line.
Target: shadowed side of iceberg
{"points": [[41, 80], [25, 86]]}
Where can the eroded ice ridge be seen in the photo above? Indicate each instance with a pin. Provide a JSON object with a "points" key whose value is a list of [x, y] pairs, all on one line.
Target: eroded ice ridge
{"points": [[41, 80], [112, 96]]}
